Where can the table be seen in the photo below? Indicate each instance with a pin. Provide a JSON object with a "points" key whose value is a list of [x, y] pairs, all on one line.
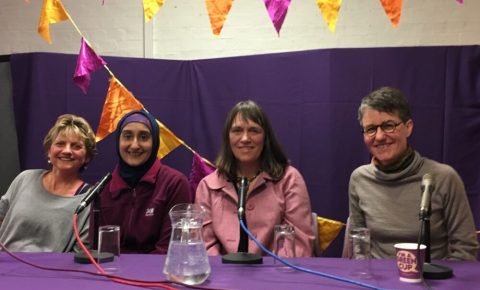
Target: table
{"points": [[15, 275]]}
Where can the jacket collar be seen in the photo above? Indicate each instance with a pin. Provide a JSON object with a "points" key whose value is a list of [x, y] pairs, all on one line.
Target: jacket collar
{"points": [[117, 185], [228, 187]]}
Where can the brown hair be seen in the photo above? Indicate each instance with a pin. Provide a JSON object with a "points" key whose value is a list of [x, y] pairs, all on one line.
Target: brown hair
{"points": [[272, 160]]}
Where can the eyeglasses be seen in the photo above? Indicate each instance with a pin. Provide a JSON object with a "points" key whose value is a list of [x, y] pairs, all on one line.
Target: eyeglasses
{"points": [[387, 127]]}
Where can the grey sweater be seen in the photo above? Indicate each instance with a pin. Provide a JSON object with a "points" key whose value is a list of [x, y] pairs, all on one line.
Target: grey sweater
{"points": [[35, 220], [388, 204]]}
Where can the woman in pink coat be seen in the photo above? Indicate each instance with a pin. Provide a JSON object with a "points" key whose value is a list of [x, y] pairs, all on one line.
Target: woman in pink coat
{"points": [[276, 194]]}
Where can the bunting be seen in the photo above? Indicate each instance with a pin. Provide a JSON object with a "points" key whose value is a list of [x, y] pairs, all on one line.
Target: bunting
{"points": [[52, 12], [328, 230], [87, 62], [118, 102], [218, 12], [393, 8], [168, 141], [277, 10], [151, 7], [329, 10], [200, 168]]}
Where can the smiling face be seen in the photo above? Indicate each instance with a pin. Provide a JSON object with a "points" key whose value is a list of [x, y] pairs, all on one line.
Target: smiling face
{"points": [[246, 141], [135, 144], [67, 153], [386, 148]]}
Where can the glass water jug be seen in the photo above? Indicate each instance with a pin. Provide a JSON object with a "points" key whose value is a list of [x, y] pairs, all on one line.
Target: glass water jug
{"points": [[187, 260]]}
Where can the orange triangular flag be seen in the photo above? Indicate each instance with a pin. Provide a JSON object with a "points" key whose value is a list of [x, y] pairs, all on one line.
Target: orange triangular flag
{"points": [[52, 12], [218, 11], [168, 141], [151, 7], [393, 8], [329, 10], [118, 102]]}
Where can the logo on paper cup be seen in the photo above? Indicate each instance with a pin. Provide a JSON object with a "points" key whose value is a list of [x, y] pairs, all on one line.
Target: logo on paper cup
{"points": [[406, 261]]}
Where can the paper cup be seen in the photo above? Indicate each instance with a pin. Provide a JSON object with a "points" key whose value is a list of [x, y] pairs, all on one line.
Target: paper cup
{"points": [[410, 261]]}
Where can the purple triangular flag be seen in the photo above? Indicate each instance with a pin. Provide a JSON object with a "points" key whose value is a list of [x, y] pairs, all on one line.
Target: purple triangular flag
{"points": [[88, 62], [277, 10], [200, 169], [460, 1]]}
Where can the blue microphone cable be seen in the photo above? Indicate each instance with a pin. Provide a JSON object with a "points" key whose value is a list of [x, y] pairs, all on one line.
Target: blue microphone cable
{"points": [[305, 269]]}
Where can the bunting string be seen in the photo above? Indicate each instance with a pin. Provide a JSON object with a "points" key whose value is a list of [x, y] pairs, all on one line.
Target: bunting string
{"points": [[120, 100]]}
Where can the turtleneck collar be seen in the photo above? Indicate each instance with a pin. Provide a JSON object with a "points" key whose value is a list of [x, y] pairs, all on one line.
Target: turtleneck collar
{"points": [[402, 162]]}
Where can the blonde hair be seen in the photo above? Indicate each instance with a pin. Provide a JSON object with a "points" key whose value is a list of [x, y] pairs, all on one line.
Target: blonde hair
{"points": [[70, 124]]}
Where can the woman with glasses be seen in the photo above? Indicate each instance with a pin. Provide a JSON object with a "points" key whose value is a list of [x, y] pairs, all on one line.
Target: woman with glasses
{"points": [[385, 195]]}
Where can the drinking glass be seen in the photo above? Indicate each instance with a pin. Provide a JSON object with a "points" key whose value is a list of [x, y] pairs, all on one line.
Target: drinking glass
{"points": [[360, 241], [109, 244], [284, 242]]}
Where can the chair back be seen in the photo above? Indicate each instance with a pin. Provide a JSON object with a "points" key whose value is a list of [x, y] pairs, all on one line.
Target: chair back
{"points": [[347, 242]]}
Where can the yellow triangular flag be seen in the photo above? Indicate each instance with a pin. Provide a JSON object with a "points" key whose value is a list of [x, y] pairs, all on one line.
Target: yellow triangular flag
{"points": [[328, 230], [118, 102], [168, 141], [218, 11], [52, 12], [393, 8], [329, 10], [151, 7]]}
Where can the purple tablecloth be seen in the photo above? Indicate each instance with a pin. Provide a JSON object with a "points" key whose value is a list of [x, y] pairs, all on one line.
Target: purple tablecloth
{"points": [[16, 275]]}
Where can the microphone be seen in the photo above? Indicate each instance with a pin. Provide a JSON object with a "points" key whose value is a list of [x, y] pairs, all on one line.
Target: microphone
{"points": [[242, 193], [90, 195], [427, 188], [242, 256], [430, 271]]}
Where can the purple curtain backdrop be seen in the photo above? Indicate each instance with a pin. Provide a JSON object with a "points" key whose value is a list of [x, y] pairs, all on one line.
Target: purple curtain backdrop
{"points": [[311, 97]]}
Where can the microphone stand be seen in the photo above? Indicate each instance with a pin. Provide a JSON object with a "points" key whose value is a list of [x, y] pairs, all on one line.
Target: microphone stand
{"points": [[242, 256], [431, 271], [81, 257]]}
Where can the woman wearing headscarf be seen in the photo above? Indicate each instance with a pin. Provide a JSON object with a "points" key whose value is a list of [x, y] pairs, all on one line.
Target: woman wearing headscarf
{"points": [[142, 189]]}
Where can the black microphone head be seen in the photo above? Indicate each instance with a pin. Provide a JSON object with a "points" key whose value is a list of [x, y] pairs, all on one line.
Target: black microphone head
{"points": [[243, 181]]}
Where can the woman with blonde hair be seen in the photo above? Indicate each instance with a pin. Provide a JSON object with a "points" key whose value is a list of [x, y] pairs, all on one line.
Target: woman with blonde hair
{"points": [[37, 210]]}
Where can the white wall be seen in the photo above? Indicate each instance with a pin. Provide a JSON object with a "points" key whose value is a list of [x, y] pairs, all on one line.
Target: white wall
{"points": [[181, 30]]}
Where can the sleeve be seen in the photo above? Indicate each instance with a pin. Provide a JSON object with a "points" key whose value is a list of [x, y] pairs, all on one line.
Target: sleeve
{"points": [[178, 192], [299, 214], [463, 243], [4, 205], [6, 199], [203, 198], [356, 217]]}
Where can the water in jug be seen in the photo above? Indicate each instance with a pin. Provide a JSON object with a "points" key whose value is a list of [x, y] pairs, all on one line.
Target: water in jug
{"points": [[187, 260]]}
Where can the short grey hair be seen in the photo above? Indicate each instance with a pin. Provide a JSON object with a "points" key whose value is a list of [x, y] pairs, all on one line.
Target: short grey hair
{"points": [[387, 100]]}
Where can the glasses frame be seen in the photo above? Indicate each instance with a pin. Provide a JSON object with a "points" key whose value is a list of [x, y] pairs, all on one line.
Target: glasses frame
{"points": [[382, 126]]}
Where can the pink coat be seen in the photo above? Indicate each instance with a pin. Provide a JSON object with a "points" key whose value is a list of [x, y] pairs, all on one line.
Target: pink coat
{"points": [[267, 204]]}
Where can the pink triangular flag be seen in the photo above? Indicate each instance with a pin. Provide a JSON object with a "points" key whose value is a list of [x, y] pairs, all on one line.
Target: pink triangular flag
{"points": [[200, 169], [88, 62], [460, 1], [277, 10]]}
